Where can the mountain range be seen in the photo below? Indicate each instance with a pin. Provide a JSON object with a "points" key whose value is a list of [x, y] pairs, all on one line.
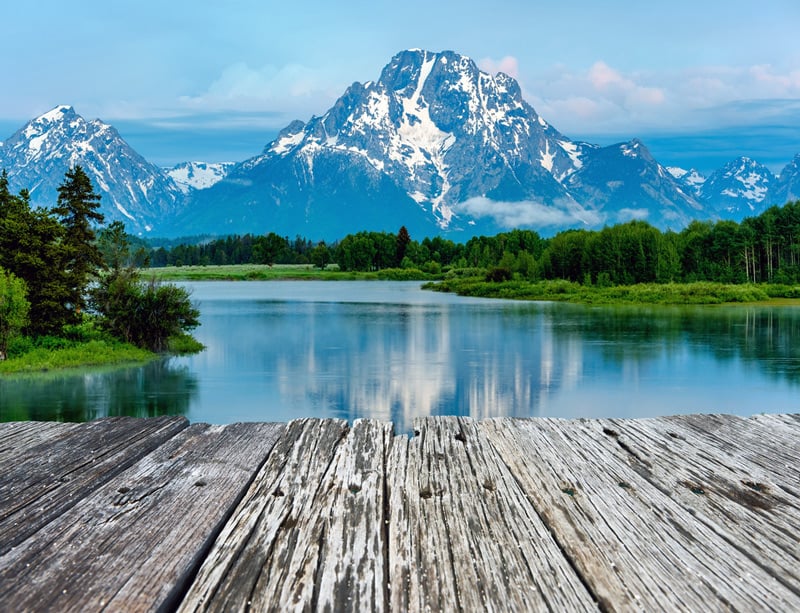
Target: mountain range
{"points": [[434, 144]]}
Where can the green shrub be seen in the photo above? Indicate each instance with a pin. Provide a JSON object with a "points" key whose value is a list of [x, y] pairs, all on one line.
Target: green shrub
{"points": [[402, 274], [498, 274], [184, 343], [144, 313], [19, 345]]}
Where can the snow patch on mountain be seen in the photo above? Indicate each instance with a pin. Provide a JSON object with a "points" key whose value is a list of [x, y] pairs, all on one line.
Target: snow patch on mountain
{"points": [[131, 189], [198, 175], [691, 178]]}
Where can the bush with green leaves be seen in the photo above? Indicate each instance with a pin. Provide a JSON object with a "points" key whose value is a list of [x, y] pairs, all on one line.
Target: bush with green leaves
{"points": [[14, 309], [145, 313]]}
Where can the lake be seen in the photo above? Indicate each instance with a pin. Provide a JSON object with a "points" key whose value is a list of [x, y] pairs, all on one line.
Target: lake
{"points": [[280, 350]]}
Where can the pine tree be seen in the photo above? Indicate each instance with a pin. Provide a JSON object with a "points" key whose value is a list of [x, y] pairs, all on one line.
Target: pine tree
{"points": [[401, 245], [31, 249], [77, 208]]}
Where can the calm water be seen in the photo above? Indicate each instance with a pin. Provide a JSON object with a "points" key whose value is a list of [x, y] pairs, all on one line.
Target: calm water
{"points": [[280, 350]]}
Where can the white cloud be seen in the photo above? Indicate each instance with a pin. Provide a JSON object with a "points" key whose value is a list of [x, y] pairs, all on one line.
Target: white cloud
{"points": [[527, 213], [603, 77], [629, 214], [603, 99], [508, 65], [244, 88]]}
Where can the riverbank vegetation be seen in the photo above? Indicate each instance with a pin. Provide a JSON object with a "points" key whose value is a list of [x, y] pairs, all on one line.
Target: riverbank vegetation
{"points": [[696, 292], [762, 249], [69, 296], [282, 272], [706, 262], [81, 345]]}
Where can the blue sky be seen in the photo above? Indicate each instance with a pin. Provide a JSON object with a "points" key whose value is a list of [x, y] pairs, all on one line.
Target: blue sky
{"points": [[699, 82]]}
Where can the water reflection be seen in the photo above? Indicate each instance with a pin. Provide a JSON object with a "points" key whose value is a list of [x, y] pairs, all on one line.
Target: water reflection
{"points": [[279, 351], [282, 350], [158, 388], [764, 337]]}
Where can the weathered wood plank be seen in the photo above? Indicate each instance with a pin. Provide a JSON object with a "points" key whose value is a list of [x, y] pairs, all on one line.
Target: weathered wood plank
{"points": [[634, 545], [135, 543], [285, 548], [463, 535], [47, 478], [17, 437], [352, 572], [738, 500], [771, 442]]}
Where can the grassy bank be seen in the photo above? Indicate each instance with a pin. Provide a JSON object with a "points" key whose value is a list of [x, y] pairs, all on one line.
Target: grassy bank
{"points": [[286, 272], [90, 353], [81, 346], [647, 293]]}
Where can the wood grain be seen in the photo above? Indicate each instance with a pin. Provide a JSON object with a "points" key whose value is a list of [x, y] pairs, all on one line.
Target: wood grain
{"points": [[693, 512], [633, 543], [46, 478], [134, 543], [267, 555], [463, 534]]}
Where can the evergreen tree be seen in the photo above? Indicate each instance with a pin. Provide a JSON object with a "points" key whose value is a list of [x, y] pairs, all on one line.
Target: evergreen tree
{"points": [[31, 248], [77, 209], [114, 245], [403, 239]]}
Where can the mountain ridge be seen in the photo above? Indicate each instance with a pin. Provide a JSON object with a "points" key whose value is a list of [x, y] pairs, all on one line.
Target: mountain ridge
{"points": [[402, 150], [132, 190]]}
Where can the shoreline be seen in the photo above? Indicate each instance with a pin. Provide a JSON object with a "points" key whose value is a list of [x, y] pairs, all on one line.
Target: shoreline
{"points": [[671, 294]]}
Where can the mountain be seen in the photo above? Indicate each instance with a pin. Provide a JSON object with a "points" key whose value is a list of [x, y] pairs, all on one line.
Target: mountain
{"points": [[439, 146], [434, 144], [690, 180], [739, 189], [625, 182], [190, 176], [132, 190], [786, 187]]}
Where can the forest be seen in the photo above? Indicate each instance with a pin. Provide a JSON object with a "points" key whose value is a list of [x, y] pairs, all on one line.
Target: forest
{"points": [[67, 282], [760, 249]]}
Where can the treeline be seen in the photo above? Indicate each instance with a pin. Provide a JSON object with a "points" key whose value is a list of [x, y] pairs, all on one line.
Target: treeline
{"points": [[63, 276], [765, 248]]}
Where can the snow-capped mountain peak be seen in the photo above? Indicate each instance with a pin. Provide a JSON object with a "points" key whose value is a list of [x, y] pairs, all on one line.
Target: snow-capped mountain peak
{"points": [[738, 188], [426, 123], [39, 154]]}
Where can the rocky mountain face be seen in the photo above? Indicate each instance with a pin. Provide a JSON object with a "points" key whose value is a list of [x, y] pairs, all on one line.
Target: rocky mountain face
{"points": [[738, 189], [434, 144], [190, 176], [742, 188], [132, 190], [786, 187], [624, 182], [438, 144]]}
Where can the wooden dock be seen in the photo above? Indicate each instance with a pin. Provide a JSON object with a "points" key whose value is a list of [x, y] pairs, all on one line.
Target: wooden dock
{"points": [[698, 512]]}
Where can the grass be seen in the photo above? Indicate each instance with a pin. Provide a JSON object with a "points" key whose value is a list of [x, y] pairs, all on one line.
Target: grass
{"points": [[286, 272], [88, 353], [644, 293], [471, 282], [183, 344], [83, 345]]}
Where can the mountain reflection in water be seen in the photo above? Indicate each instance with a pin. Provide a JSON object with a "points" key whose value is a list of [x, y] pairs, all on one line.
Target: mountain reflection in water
{"points": [[283, 350]]}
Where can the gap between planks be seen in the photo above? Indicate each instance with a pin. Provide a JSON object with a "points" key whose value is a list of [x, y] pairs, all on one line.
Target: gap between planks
{"points": [[536, 514]]}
